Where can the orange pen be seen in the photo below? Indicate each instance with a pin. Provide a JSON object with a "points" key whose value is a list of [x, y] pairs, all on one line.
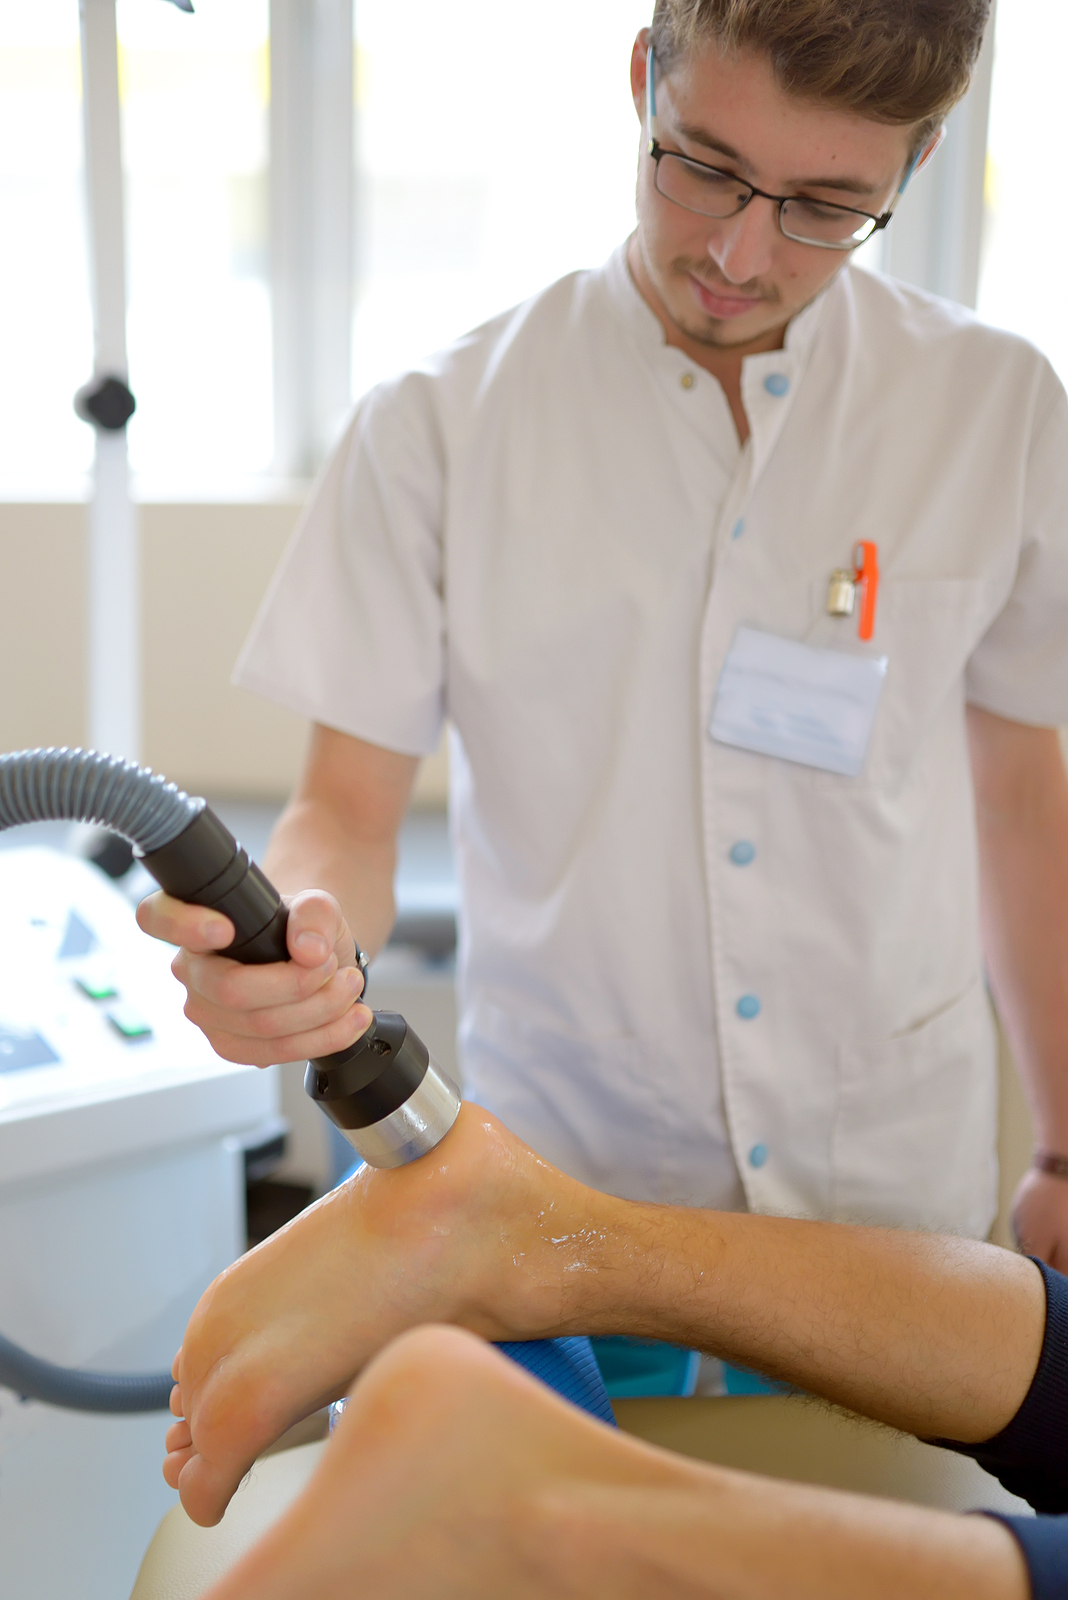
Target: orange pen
{"points": [[866, 574]]}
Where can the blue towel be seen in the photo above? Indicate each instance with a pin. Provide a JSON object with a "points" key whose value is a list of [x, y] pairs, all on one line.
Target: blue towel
{"points": [[568, 1366]]}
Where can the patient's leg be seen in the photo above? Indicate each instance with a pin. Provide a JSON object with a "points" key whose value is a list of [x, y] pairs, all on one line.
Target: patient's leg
{"points": [[938, 1336], [454, 1476], [287, 1327], [423, 1487]]}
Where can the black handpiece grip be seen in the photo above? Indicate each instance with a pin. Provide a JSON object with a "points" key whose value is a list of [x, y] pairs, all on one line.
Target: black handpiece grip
{"points": [[206, 866], [382, 1091]]}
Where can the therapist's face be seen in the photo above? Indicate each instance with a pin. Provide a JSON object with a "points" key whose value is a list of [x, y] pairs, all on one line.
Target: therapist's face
{"points": [[733, 284]]}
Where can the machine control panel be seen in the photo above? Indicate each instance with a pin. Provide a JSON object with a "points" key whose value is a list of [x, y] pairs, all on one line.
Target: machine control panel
{"points": [[89, 1009]]}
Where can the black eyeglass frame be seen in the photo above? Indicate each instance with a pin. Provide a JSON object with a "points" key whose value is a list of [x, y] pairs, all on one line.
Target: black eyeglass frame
{"points": [[657, 153]]}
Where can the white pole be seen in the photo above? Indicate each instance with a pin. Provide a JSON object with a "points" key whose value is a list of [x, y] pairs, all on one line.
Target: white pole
{"points": [[311, 226], [114, 686]]}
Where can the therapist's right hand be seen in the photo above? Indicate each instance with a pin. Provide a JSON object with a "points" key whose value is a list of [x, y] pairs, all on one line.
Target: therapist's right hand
{"points": [[284, 1011]]}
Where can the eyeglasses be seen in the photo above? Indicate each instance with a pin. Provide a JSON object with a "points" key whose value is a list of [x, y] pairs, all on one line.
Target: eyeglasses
{"points": [[709, 192]]}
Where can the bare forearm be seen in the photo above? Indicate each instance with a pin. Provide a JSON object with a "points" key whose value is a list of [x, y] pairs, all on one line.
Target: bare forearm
{"points": [[339, 832], [1022, 812], [940, 1337], [734, 1537], [311, 848]]}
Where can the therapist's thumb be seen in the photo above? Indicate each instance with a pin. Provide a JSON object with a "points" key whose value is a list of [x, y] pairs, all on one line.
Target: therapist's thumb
{"points": [[317, 928]]}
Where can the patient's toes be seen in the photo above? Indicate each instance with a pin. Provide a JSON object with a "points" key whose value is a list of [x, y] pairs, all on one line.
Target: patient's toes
{"points": [[173, 1463], [179, 1436], [206, 1491]]}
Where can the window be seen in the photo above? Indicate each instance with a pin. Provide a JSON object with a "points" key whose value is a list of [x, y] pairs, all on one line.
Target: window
{"points": [[195, 93], [1021, 283], [468, 119], [46, 342], [467, 201]]}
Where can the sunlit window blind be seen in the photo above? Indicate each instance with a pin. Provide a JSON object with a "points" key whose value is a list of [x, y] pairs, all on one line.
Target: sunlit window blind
{"points": [[497, 149], [195, 95], [1022, 282], [195, 103], [46, 347]]}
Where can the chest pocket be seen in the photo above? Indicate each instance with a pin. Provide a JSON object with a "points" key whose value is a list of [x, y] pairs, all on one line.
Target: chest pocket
{"points": [[927, 628]]}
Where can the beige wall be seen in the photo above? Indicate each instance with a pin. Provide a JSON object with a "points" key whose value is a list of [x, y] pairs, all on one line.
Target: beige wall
{"points": [[42, 625], [204, 569]]}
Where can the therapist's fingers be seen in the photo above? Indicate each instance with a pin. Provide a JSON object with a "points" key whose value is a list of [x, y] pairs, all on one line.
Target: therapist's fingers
{"points": [[316, 929], [322, 1041], [175, 922], [279, 1011], [268, 1004], [1040, 1217], [231, 988]]}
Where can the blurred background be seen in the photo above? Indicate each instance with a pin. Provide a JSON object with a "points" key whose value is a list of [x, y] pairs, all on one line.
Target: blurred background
{"points": [[316, 195]]}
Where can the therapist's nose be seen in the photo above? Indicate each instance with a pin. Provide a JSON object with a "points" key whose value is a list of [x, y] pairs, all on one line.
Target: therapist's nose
{"points": [[743, 246]]}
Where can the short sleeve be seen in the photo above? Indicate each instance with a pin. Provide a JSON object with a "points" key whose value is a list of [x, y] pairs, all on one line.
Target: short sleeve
{"points": [[351, 631], [1019, 669]]}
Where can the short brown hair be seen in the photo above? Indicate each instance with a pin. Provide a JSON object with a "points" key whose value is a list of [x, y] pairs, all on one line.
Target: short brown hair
{"points": [[896, 61]]}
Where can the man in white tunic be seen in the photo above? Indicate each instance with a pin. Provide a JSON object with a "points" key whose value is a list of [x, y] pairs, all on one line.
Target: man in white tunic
{"points": [[722, 881]]}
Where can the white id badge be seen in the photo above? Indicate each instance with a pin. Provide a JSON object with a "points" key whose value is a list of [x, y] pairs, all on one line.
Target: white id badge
{"points": [[796, 701]]}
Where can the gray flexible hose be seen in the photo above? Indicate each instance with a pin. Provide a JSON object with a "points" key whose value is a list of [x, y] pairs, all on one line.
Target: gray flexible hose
{"points": [[76, 1389], [82, 786]]}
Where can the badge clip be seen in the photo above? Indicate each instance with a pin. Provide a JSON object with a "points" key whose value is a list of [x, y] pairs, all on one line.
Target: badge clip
{"points": [[841, 593], [844, 583]]}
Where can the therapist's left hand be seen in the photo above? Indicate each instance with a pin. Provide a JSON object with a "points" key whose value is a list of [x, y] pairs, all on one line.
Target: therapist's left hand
{"points": [[1040, 1217]]}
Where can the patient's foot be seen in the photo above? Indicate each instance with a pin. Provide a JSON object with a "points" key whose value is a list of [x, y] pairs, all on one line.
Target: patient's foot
{"points": [[480, 1232], [435, 1481]]}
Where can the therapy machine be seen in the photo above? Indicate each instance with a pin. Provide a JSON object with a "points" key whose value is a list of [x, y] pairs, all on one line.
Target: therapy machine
{"points": [[385, 1092], [124, 1147], [391, 1100]]}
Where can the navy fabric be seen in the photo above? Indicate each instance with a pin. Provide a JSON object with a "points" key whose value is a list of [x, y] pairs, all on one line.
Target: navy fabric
{"points": [[1044, 1542], [568, 1366], [1030, 1456]]}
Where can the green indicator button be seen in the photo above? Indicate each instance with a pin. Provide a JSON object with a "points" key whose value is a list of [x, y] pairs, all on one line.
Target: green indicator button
{"points": [[97, 988], [125, 1020]]}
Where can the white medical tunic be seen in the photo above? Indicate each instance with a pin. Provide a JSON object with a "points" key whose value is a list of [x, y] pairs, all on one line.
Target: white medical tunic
{"points": [[689, 973]]}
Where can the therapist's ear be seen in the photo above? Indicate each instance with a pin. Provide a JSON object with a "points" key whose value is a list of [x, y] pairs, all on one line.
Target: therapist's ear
{"points": [[637, 72], [928, 150]]}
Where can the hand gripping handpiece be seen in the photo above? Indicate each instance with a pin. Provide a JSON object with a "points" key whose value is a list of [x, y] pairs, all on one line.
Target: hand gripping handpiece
{"points": [[387, 1095]]}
